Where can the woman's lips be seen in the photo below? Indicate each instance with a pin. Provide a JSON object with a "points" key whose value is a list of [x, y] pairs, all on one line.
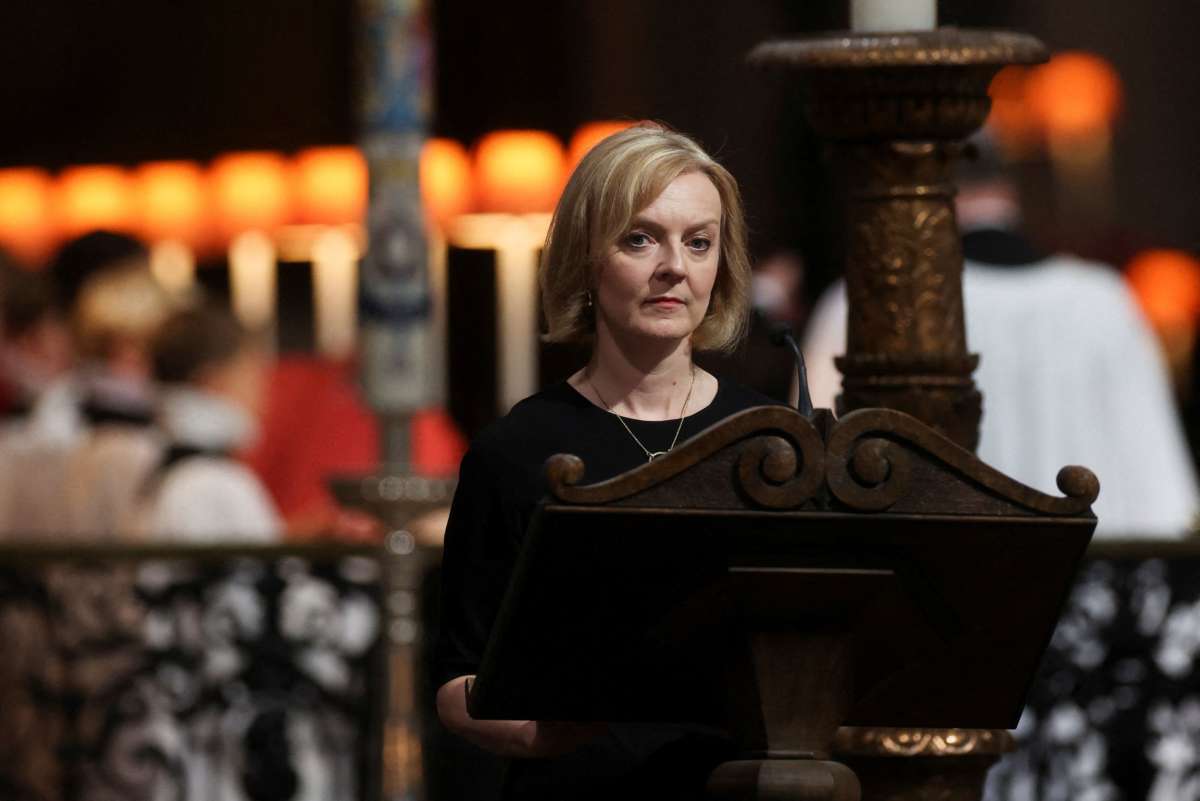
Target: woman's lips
{"points": [[665, 302]]}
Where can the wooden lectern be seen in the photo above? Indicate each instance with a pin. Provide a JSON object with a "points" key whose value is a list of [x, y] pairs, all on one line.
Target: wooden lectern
{"points": [[788, 580]]}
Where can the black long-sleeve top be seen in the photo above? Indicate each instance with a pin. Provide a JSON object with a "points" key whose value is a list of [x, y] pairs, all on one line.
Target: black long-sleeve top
{"points": [[500, 483]]}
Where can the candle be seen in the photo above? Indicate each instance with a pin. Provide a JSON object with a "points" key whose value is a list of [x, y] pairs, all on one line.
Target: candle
{"points": [[335, 292], [516, 240], [868, 16], [516, 321], [436, 248], [252, 278]]}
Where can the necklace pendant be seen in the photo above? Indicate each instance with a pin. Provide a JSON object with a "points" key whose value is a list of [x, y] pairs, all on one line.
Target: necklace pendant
{"points": [[655, 455]]}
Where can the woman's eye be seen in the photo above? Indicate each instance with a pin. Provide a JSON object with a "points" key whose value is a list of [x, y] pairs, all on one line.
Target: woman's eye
{"points": [[637, 240], [700, 244]]}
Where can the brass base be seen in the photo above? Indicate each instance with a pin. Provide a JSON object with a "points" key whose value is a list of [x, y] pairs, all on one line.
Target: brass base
{"points": [[783, 780], [921, 764]]}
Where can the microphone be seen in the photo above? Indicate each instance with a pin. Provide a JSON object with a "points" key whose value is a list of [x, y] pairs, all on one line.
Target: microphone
{"points": [[781, 334]]}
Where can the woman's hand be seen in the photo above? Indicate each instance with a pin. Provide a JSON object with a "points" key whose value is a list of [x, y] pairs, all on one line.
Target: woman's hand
{"points": [[521, 739]]}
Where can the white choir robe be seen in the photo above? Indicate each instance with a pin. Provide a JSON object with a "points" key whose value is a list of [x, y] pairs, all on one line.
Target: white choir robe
{"points": [[209, 497], [1071, 373], [34, 453]]}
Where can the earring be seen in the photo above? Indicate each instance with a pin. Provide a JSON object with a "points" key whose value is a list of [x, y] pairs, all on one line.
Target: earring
{"points": [[588, 297]]}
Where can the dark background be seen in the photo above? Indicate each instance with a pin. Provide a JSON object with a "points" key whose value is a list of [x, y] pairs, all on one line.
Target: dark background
{"points": [[137, 80]]}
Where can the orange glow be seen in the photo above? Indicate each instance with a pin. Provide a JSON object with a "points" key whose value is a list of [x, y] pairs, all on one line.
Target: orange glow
{"points": [[445, 180], [250, 191], [1075, 94], [26, 226], [1011, 117], [95, 196], [1167, 284], [331, 185], [171, 201], [518, 172], [589, 135]]}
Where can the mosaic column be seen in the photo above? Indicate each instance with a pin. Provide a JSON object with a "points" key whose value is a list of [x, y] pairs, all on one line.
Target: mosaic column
{"points": [[401, 358], [401, 370]]}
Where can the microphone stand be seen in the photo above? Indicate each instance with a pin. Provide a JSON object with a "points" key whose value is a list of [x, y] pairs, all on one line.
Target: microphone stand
{"points": [[781, 335]]}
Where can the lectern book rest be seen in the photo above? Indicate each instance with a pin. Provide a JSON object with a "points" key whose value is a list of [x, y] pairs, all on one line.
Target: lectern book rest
{"points": [[648, 597]]}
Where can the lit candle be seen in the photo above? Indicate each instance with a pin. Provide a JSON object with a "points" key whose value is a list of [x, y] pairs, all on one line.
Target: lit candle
{"points": [[252, 278], [868, 16], [437, 251], [335, 292], [516, 240]]}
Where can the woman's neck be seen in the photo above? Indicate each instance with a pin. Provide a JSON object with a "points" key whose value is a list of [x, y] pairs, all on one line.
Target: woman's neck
{"points": [[639, 381]]}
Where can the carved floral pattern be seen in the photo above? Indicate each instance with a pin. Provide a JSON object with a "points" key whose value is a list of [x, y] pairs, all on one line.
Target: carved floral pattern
{"points": [[921, 742]]}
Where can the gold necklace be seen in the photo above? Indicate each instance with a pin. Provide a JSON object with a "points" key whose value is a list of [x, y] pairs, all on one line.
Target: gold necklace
{"points": [[650, 455]]}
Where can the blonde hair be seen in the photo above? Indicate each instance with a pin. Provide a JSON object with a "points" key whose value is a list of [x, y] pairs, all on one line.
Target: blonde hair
{"points": [[618, 178], [120, 304]]}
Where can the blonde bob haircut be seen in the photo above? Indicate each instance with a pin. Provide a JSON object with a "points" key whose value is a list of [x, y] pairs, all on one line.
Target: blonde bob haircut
{"points": [[619, 177]]}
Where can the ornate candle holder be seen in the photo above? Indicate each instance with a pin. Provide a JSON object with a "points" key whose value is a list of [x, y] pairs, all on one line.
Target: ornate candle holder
{"points": [[895, 110]]}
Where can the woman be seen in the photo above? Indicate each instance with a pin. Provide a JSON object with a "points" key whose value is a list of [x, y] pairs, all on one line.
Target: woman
{"points": [[645, 261]]}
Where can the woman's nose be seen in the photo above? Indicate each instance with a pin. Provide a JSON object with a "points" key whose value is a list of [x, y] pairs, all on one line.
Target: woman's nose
{"points": [[671, 263]]}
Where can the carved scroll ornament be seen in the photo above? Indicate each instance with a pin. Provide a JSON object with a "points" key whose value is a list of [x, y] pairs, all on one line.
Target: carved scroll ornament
{"points": [[872, 460]]}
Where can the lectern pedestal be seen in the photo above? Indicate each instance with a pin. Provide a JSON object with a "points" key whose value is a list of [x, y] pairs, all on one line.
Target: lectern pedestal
{"points": [[782, 580]]}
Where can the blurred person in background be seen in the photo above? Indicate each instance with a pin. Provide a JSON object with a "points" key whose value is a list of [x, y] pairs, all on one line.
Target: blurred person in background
{"points": [[37, 403], [776, 292], [1070, 371], [213, 373], [341, 437], [118, 310], [84, 256], [36, 353]]}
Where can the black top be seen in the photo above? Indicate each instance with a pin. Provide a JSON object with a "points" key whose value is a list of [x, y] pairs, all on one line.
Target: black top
{"points": [[500, 483]]}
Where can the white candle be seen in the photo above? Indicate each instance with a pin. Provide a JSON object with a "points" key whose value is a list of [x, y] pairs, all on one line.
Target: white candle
{"points": [[516, 240], [516, 322], [868, 16], [252, 278], [335, 292], [437, 248]]}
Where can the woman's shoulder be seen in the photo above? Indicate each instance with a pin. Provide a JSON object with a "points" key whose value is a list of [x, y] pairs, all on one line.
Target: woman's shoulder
{"points": [[529, 426], [733, 397]]}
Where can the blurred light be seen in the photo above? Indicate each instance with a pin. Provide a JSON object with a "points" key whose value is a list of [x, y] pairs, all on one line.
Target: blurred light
{"points": [[445, 180], [518, 172], [174, 266], [252, 279], [250, 191], [1075, 94], [1011, 118], [95, 196], [26, 220], [331, 185], [335, 292], [296, 242], [437, 444], [171, 201], [1167, 284], [589, 135]]}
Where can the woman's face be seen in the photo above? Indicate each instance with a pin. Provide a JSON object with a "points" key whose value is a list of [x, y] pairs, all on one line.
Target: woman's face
{"points": [[657, 279]]}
